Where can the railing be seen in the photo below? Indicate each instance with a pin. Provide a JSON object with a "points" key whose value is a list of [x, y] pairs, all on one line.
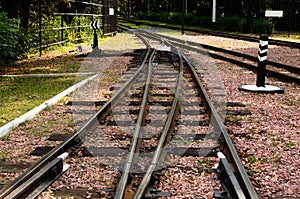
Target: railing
{"points": [[69, 24]]}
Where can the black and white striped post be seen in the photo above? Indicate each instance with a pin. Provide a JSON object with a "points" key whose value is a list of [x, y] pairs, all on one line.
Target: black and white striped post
{"points": [[261, 71], [262, 60], [95, 25]]}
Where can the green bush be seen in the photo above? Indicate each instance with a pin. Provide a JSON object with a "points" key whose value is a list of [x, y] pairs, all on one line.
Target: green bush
{"points": [[202, 21], [231, 24], [175, 18], [150, 16], [188, 18], [9, 33], [262, 26], [27, 42]]}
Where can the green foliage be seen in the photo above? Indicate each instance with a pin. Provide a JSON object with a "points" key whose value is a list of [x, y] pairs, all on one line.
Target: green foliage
{"points": [[27, 42], [4, 137], [262, 26], [201, 21], [19, 95], [252, 159], [231, 24], [188, 18], [54, 31], [162, 17], [288, 145], [264, 159], [4, 154], [8, 39], [174, 18]]}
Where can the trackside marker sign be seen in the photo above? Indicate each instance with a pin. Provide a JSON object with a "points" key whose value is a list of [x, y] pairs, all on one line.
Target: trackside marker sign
{"points": [[274, 13]]}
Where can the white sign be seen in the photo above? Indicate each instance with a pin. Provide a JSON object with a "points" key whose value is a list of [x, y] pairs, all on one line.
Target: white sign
{"points": [[111, 11], [274, 13], [95, 24]]}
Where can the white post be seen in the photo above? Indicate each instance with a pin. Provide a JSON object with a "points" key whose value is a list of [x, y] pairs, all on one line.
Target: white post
{"points": [[214, 11]]}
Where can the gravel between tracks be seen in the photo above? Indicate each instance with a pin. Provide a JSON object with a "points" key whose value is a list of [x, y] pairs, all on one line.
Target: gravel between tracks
{"points": [[267, 140]]}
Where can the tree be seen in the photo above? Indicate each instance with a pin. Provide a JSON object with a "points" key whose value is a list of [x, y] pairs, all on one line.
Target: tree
{"points": [[9, 32]]}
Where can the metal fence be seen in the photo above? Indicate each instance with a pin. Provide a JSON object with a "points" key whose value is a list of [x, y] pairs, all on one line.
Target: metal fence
{"points": [[69, 25], [290, 22]]}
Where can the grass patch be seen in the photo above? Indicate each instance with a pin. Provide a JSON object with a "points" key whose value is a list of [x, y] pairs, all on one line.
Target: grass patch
{"points": [[252, 159], [3, 154], [4, 137], [203, 162], [20, 94], [289, 145]]}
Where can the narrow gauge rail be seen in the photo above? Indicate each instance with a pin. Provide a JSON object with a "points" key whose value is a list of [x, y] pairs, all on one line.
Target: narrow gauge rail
{"points": [[36, 179], [222, 34], [244, 187], [284, 72], [235, 182]]}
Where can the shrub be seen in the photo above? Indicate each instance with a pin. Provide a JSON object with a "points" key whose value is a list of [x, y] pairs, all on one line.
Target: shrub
{"points": [[202, 21], [262, 26], [27, 42], [231, 24], [188, 18], [152, 16], [9, 33], [175, 18]]}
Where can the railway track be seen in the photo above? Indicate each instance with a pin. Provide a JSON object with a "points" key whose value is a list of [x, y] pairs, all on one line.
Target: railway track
{"points": [[161, 115], [282, 71], [220, 34]]}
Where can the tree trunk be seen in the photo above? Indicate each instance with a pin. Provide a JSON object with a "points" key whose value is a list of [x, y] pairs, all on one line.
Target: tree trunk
{"points": [[25, 13]]}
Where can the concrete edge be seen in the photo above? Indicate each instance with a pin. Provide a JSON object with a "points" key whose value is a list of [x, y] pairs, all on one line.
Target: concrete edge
{"points": [[48, 75], [30, 114]]}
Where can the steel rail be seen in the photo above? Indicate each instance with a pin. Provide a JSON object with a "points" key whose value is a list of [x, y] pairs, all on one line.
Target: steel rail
{"points": [[221, 34], [254, 58], [273, 73], [133, 151], [231, 153], [45, 177], [244, 180], [183, 45], [73, 138], [166, 130]]}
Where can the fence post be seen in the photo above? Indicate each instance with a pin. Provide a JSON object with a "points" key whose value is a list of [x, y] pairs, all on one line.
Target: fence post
{"points": [[40, 26], [260, 86], [62, 22]]}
